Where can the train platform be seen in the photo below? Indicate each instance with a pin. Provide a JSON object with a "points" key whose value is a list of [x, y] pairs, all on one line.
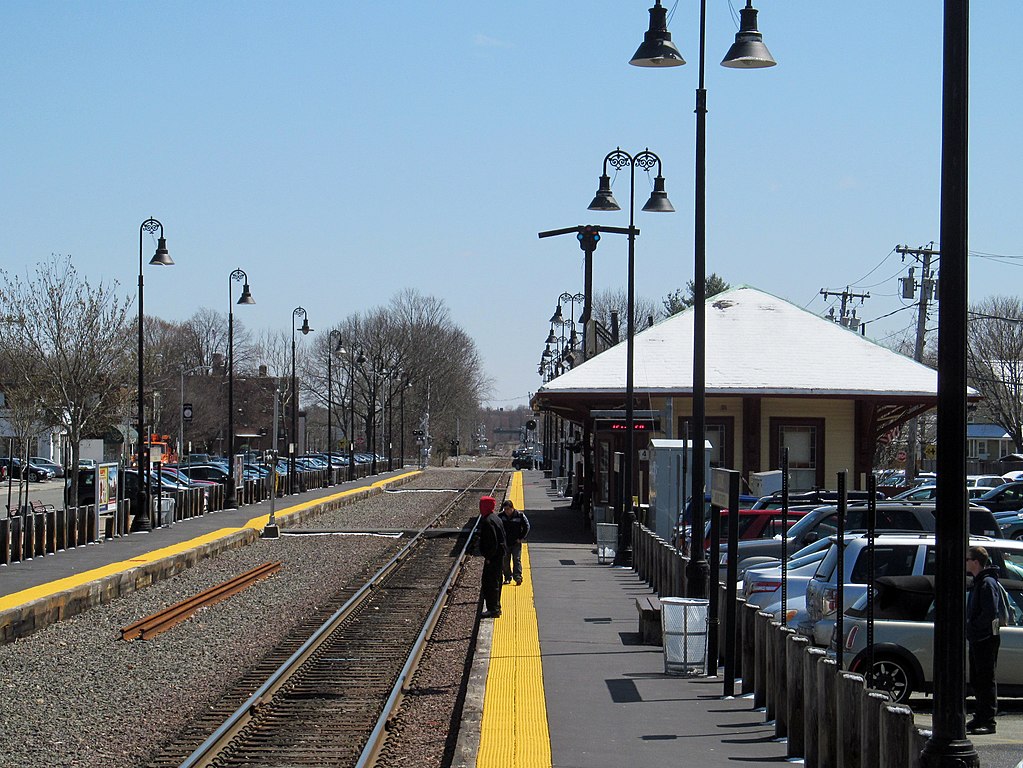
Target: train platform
{"points": [[564, 680], [37, 592]]}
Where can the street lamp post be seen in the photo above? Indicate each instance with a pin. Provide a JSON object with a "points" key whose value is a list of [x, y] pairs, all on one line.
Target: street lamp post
{"points": [[405, 384], [350, 351], [747, 52], [330, 403], [143, 521], [371, 414], [293, 441], [231, 486], [948, 745], [658, 203]]}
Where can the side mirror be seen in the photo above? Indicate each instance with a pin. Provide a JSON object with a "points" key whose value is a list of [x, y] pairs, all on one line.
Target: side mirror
{"points": [[811, 537]]}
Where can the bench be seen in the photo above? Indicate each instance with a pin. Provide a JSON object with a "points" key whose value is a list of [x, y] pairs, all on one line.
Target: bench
{"points": [[649, 607]]}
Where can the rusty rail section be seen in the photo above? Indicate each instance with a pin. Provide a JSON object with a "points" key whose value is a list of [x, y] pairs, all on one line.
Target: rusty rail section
{"points": [[153, 625]]}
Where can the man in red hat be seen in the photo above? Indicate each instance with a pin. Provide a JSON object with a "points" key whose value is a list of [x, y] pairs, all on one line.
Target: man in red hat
{"points": [[493, 547]]}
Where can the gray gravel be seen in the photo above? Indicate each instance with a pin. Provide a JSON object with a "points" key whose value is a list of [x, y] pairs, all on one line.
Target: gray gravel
{"points": [[75, 695]]}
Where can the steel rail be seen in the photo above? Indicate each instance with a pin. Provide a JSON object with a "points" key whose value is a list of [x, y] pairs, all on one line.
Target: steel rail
{"points": [[206, 752], [169, 617], [378, 736]]}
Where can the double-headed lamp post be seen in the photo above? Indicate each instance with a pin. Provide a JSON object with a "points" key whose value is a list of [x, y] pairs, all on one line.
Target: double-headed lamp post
{"points": [[237, 276], [747, 52], [142, 520], [330, 400], [658, 203], [293, 437]]}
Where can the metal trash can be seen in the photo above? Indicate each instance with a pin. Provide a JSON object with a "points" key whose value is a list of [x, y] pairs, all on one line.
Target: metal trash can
{"points": [[607, 542], [684, 635]]}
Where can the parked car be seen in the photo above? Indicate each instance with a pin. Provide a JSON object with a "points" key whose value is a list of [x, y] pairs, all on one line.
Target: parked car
{"points": [[817, 497], [920, 493], [754, 524], [987, 482], [761, 585], [56, 468], [1011, 524], [894, 555], [33, 472], [822, 522], [904, 638], [1006, 497], [207, 472]]}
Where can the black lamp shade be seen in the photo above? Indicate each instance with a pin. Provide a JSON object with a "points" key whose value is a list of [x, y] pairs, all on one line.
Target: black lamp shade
{"points": [[604, 200], [246, 297], [162, 256], [659, 202], [657, 50], [748, 51]]}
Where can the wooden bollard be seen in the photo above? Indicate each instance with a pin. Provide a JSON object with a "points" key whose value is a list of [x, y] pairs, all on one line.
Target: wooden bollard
{"points": [[760, 660], [870, 725], [850, 708], [771, 662], [749, 618], [797, 644], [897, 736], [811, 660], [827, 738], [920, 739], [740, 609], [781, 679]]}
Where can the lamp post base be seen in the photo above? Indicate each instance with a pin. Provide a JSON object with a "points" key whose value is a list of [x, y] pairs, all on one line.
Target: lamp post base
{"points": [[270, 531], [140, 523]]}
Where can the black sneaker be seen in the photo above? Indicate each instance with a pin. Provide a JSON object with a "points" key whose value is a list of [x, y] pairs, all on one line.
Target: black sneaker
{"points": [[490, 614], [980, 729]]}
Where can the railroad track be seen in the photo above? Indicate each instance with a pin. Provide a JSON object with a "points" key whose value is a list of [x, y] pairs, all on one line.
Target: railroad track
{"points": [[325, 696]]}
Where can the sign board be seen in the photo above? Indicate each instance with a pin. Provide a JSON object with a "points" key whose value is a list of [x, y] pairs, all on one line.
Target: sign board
{"points": [[720, 488], [106, 488]]}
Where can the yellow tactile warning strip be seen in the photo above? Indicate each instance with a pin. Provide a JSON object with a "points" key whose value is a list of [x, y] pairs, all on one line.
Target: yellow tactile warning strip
{"points": [[514, 731], [16, 599]]}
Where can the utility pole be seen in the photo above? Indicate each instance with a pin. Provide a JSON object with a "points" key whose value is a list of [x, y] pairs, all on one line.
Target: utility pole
{"points": [[847, 318], [909, 285]]}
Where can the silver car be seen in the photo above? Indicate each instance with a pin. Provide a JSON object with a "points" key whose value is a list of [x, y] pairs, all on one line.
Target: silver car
{"points": [[903, 661], [895, 554]]}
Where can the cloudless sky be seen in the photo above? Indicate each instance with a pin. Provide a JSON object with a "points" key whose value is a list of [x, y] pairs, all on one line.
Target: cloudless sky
{"points": [[342, 151]]}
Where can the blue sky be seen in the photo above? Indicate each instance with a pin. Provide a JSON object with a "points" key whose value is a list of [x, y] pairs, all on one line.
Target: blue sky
{"points": [[340, 152]]}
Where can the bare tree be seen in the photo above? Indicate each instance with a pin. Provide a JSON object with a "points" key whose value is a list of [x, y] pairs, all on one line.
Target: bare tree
{"points": [[995, 361], [72, 346], [608, 300]]}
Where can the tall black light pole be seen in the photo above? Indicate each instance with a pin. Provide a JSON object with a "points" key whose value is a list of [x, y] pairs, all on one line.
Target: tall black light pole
{"points": [[330, 402], [747, 52], [948, 745], [389, 374], [293, 447], [142, 520], [237, 276], [361, 361], [658, 203], [350, 351], [405, 384]]}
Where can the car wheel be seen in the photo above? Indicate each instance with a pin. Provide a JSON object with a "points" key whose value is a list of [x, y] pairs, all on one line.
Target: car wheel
{"points": [[1018, 535], [34, 477], [893, 675]]}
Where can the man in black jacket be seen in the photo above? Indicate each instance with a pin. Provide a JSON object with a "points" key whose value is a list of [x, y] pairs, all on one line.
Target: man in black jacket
{"points": [[493, 548], [982, 611], [516, 526]]}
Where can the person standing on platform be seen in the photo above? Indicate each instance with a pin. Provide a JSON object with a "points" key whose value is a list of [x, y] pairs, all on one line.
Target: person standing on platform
{"points": [[516, 527], [982, 624], [493, 547]]}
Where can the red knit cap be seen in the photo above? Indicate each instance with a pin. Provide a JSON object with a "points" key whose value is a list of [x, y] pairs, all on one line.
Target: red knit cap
{"points": [[487, 505]]}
